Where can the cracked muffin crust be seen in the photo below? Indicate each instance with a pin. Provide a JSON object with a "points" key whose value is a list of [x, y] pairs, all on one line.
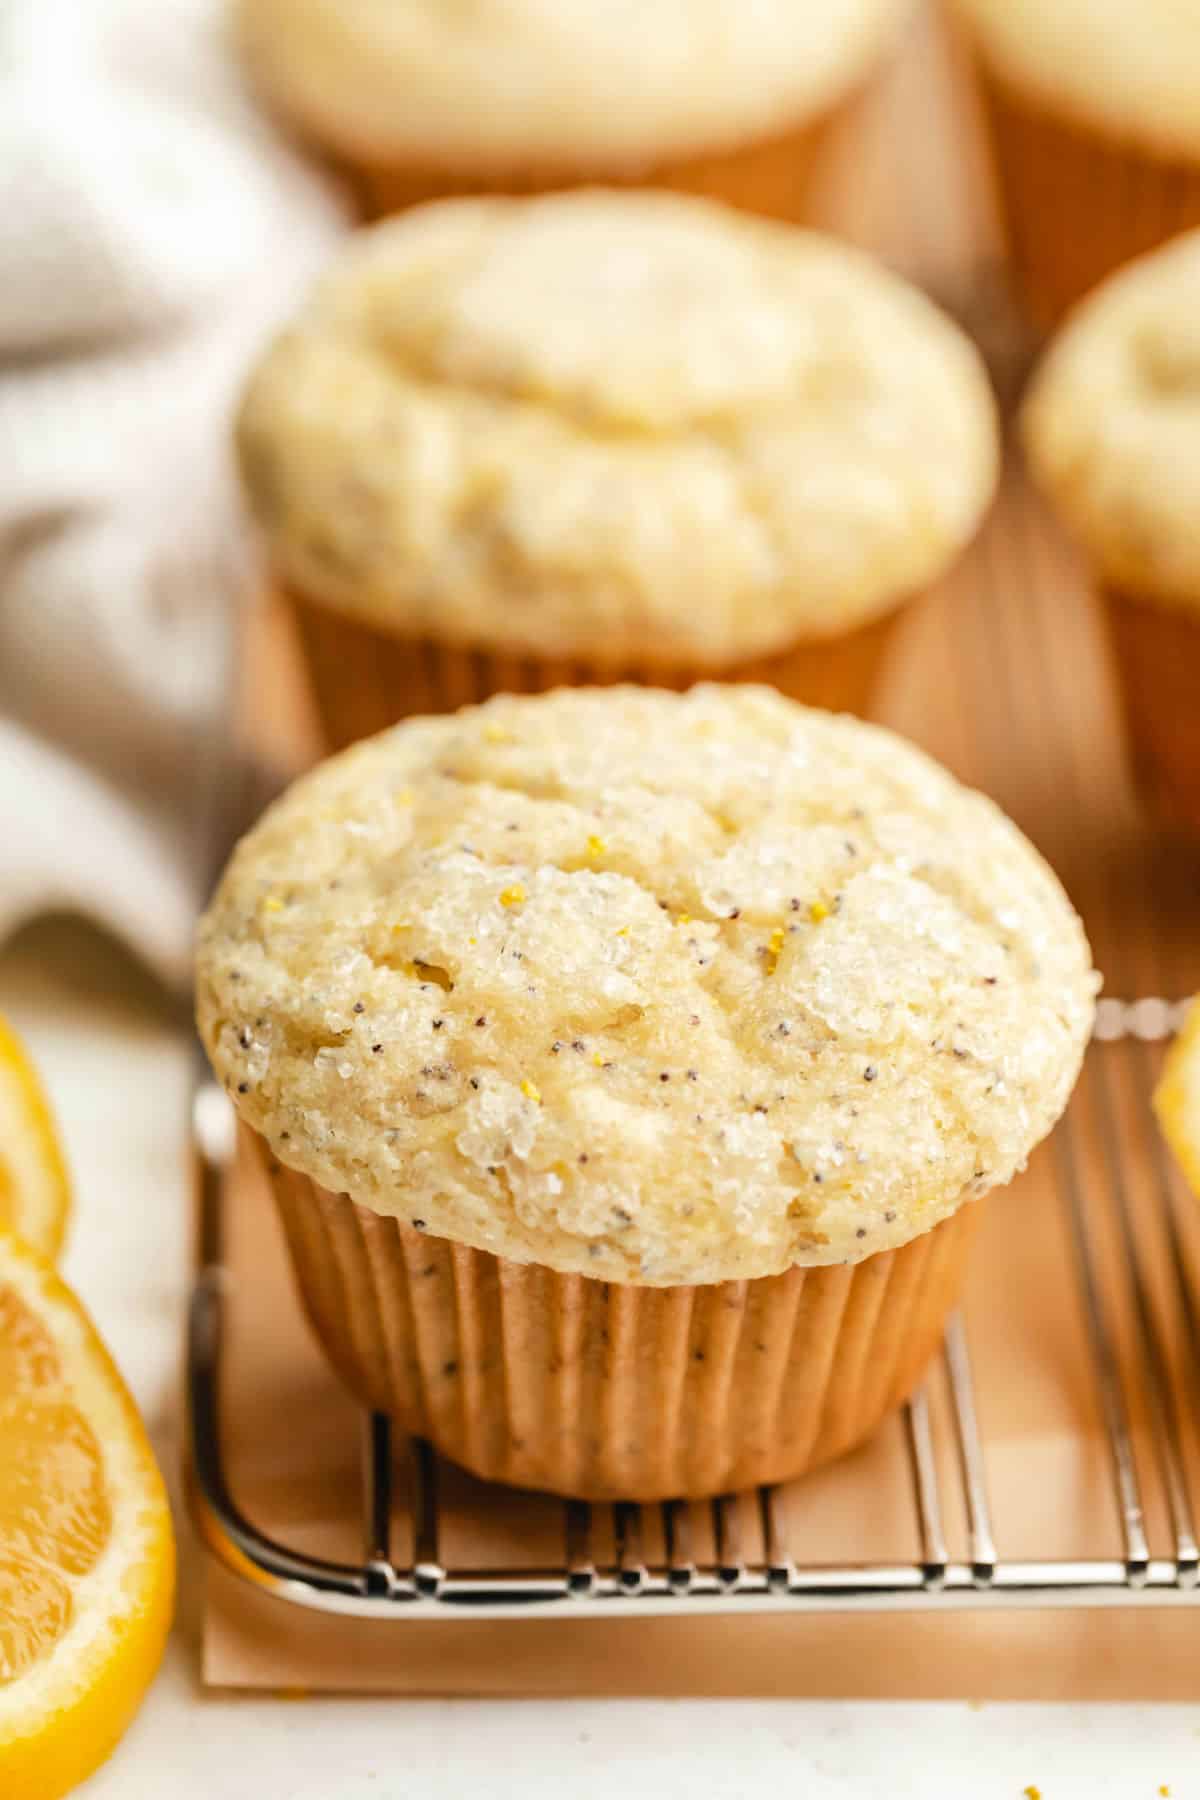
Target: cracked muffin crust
{"points": [[660, 988], [631, 428]]}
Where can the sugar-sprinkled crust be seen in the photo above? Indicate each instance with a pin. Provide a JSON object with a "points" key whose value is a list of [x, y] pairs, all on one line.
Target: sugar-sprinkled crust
{"points": [[572, 86], [634, 427], [660, 988], [1112, 425]]}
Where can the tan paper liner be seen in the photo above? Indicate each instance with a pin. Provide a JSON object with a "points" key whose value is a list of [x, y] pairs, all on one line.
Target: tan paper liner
{"points": [[772, 176], [1157, 655], [1077, 204], [363, 680], [604, 1391]]}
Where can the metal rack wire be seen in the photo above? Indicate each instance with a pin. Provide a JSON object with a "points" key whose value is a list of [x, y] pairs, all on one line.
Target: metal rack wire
{"points": [[424, 1587]]}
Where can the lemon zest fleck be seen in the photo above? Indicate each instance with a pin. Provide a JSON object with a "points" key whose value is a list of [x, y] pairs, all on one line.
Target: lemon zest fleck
{"points": [[818, 911], [513, 896], [531, 1091], [596, 846]]}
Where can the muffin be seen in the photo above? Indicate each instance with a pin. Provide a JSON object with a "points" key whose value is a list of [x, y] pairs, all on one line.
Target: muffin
{"points": [[1112, 431], [600, 437], [417, 100], [626, 1065], [1094, 113]]}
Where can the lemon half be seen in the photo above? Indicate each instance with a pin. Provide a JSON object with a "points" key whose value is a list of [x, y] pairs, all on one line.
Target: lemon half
{"points": [[1177, 1097], [86, 1549]]}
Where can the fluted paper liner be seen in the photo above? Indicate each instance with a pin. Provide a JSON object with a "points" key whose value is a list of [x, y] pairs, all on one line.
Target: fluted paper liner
{"points": [[603, 1390], [363, 680], [1156, 650], [772, 176], [1076, 203]]}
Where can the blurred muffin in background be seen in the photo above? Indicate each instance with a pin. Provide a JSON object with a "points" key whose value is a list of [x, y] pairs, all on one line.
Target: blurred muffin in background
{"points": [[419, 99], [1112, 430], [592, 437], [1094, 114]]}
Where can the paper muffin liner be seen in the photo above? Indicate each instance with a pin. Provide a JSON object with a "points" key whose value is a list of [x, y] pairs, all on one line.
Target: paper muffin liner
{"points": [[1076, 203], [601, 1390], [363, 679], [1156, 650], [772, 176]]}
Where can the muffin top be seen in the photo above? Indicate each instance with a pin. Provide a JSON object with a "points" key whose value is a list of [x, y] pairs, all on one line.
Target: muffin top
{"points": [[1112, 425], [578, 86], [1130, 68], [618, 426], [660, 988]]}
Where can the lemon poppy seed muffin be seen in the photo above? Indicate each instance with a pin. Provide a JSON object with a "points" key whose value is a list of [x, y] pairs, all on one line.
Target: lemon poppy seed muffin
{"points": [[614, 1048], [1096, 131], [420, 99], [1112, 432], [510, 444]]}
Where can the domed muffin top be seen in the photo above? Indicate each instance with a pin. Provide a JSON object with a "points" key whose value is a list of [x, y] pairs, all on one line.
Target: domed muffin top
{"points": [[1128, 68], [635, 428], [1112, 425], [659, 988], [565, 86]]}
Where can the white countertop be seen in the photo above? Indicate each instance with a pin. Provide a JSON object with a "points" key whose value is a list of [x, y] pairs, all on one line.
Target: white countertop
{"points": [[116, 1067]]}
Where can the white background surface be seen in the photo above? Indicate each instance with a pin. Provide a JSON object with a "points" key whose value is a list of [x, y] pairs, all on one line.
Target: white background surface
{"points": [[116, 1064]]}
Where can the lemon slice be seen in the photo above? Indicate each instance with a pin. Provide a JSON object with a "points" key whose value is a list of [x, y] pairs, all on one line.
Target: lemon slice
{"points": [[35, 1196], [86, 1552], [1177, 1097]]}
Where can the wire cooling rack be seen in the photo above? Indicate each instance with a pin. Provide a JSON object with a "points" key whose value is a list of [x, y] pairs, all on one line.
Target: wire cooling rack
{"points": [[626, 1578]]}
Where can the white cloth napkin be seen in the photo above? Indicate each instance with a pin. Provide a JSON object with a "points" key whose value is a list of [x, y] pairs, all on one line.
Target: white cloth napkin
{"points": [[154, 227]]}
